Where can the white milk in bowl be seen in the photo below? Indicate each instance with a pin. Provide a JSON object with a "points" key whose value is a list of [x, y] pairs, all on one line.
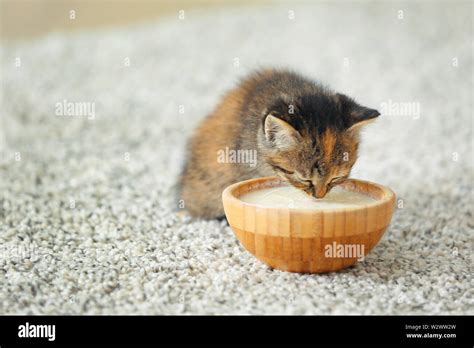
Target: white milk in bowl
{"points": [[291, 197]]}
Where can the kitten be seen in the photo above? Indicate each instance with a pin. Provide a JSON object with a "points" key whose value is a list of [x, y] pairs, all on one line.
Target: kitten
{"points": [[298, 129]]}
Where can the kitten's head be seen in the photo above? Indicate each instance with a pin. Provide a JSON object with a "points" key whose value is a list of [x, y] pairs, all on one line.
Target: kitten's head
{"points": [[312, 141]]}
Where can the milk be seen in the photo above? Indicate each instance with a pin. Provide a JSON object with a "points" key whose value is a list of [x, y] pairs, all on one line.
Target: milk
{"points": [[290, 197]]}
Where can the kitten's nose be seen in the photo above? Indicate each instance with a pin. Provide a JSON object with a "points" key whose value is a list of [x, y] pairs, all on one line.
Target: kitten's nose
{"points": [[321, 191]]}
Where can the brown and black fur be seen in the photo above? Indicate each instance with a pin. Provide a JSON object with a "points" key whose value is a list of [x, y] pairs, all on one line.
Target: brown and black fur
{"points": [[301, 131]]}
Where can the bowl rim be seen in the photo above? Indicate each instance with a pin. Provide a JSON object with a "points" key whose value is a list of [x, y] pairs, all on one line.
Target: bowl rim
{"points": [[387, 196]]}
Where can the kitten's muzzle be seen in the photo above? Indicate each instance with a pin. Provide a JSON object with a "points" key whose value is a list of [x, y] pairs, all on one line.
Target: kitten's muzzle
{"points": [[317, 191], [310, 190], [320, 192]]}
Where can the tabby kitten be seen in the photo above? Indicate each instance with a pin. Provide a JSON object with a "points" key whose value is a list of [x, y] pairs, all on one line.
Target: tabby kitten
{"points": [[298, 129]]}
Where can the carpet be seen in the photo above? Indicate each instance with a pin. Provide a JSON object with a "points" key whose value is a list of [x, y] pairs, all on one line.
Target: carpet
{"points": [[93, 131]]}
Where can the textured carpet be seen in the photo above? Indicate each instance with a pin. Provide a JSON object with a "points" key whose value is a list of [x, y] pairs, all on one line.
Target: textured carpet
{"points": [[86, 211]]}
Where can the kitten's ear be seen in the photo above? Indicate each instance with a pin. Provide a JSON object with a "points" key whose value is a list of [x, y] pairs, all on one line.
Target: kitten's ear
{"points": [[356, 115], [280, 133], [362, 116]]}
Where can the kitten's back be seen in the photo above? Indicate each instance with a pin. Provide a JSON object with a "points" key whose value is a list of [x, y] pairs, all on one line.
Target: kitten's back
{"points": [[233, 124]]}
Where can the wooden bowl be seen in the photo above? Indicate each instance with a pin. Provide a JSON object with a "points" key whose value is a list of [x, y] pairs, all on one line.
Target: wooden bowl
{"points": [[302, 240]]}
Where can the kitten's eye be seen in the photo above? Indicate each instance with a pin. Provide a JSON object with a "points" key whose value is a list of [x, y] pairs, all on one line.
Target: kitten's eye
{"points": [[338, 180], [283, 170]]}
